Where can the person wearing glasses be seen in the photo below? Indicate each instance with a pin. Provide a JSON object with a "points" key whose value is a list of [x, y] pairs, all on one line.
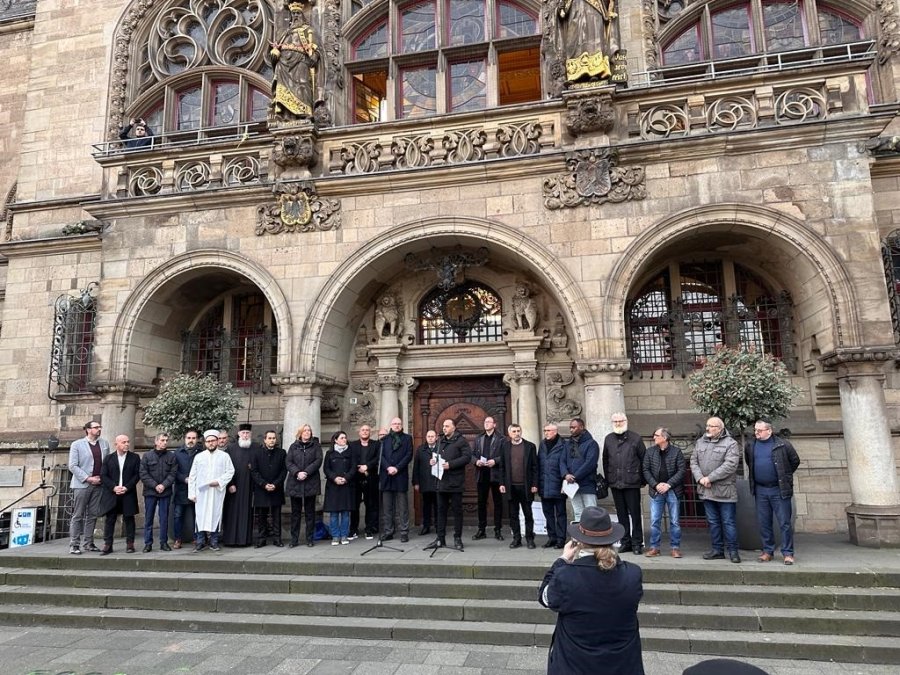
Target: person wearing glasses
{"points": [[771, 463], [714, 464], [86, 457]]}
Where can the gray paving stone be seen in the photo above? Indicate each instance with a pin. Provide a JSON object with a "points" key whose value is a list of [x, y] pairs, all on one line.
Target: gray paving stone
{"points": [[330, 667], [443, 657], [376, 668], [489, 660], [295, 666]]}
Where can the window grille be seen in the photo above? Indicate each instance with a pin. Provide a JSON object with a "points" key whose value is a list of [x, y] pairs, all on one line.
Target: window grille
{"points": [[466, 313], [72, 351], [890, 256]]}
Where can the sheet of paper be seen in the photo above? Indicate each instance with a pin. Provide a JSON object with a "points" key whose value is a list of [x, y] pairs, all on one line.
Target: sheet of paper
{"points": [[438, 469], [570, 489]]}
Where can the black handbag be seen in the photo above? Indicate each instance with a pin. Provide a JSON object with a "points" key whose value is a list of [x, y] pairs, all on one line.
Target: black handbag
{"points": [[602, 487]]}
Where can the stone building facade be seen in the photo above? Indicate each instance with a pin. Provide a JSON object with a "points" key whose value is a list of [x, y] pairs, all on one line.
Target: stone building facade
{"points": [[465, 202]]}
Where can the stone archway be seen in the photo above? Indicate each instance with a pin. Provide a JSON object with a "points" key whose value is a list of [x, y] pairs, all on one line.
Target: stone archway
{"points": [[176, 272]]}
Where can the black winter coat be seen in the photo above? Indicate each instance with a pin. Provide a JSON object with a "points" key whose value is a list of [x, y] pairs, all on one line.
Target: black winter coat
{"points": [[339, 497], [489, 447], [623, 459], [457, 453], [397, 452], [268, 466], [675, 463], [786, 462], [185, 458], [109, 479], [531, 469], [304, 457], [158, 468], [421, 472], [549, 477], [368, 455]]}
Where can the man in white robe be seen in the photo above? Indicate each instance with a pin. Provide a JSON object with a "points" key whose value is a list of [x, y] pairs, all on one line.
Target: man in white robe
{"points": [[210, 473]]}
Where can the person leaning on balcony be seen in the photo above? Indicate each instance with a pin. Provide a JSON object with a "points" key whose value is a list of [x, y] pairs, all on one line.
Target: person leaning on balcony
{"points": [[771, 463], [714, 464], [595, 595], [664, 469]]}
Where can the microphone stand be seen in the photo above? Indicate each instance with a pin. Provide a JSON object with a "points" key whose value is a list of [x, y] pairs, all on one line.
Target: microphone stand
{"points": [[380, 545]]}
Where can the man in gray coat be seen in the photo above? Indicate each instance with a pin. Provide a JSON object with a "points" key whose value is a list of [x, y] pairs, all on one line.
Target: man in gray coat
{"points": [[86, 457], [714, 464]]}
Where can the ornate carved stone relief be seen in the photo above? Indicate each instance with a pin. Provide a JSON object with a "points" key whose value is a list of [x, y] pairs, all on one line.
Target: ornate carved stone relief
{"points": [[558, 406], [363, 410], [594, 178], [524, 309], [588, 113], [297, 208], [388, 317], [889, 43], [448, 265], [296, 150]]}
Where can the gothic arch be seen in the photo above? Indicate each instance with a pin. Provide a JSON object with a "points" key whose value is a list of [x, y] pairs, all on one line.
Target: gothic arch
{"points": [[168, 273], [322, 325], [779, 230]]}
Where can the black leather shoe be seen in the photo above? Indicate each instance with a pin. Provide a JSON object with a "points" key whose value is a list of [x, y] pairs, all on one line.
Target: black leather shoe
{"points": [[560, 544], [90, 548], [457, 544], [387, 537], [479, 535], [734, 556], [106, 550], [294, 543], [530, 543], [626, 548], [638, 550], [199, 547], [498, 534], [714, 555], [404, 538], [129, 548], [278, 543], [260, 544], [515, 543], [214, 547], [148, 548], [310, 543], [549, 544], [425, 530], [165, 547], [437, 543]]}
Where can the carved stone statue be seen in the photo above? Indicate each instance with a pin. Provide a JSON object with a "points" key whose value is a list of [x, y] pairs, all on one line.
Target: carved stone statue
{"points": [[586, 36], [295, 57], [524, 309], [387, 316]]}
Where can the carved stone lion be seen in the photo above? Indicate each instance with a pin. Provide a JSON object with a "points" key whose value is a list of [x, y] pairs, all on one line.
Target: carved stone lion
{"points": [[387, 316], [524, 309]]}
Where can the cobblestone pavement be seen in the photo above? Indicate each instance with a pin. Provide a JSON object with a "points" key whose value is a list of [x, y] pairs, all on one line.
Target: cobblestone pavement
{"points": [[65, 651]]}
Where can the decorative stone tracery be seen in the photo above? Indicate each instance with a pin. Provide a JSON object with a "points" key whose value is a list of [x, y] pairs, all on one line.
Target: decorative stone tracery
{"points": [[297, 208], [594, 178]]}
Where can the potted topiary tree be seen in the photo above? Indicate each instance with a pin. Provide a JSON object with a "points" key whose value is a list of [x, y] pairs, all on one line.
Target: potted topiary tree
{"points": [[193, 401]]}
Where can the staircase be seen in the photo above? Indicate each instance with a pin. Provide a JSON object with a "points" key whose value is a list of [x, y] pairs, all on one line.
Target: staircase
{"points": [[741, 611]]}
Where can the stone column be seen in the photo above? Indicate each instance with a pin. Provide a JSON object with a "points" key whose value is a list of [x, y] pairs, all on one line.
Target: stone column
{"points": [[604, 394], [120, 401], [388, 355], [874, 514], [302, 395], [524, 345]]}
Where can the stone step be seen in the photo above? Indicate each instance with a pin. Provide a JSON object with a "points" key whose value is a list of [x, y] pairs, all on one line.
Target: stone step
{"points": [[655, 571], [730, 618], [848, 649], [703, 594]]}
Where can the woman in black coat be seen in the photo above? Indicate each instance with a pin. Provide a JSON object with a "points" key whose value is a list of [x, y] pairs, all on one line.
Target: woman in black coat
{"points": [[596, 597], [304, 459], [340, 492]]}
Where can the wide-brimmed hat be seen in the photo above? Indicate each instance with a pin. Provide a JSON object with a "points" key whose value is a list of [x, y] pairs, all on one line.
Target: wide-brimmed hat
{"points": [[596, 528]]}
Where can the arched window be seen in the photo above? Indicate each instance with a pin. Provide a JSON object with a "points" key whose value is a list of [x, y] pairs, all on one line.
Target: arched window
{"points": [[468, 312], [236, 339], [427, 57], [202, 66], [727, 31], [72, 351], [681, 315]]}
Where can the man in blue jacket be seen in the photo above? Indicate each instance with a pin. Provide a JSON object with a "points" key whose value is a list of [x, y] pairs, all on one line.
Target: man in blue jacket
{"points": [[396, 454], [553, 501], [578, 464]]}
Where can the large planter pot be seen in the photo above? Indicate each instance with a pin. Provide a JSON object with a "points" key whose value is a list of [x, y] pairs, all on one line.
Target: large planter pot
{"points": [[748, 525]]}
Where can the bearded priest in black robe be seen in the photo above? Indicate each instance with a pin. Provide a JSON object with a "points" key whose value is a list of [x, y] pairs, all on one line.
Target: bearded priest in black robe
{"points": [[237, 514]]}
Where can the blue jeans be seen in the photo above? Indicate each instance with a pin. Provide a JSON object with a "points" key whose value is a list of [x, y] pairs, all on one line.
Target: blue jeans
{"points": [[340, 525], [581, 501], [151, 503], [722, 516], [657, 505], [769, 502]]}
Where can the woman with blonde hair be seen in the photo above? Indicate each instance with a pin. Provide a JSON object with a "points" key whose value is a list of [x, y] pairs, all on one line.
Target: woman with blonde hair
{"points": [[304, 459], [596, 597]]}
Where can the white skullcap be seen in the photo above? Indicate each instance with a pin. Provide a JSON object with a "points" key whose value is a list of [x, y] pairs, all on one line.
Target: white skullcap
{"points": [[210, 432]]}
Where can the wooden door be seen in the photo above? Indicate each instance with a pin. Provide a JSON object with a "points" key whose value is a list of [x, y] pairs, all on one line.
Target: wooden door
{"points": [[466, 401]]}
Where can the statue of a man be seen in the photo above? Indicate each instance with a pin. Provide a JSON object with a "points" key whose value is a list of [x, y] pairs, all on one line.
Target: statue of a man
{"points": [[587, 37], [295, 56]]}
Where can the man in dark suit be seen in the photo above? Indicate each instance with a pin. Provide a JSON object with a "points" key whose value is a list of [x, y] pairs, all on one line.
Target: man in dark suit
{"points": [[119, 476], [519, 483], [396, 454], [268, 468], [454, 453]]}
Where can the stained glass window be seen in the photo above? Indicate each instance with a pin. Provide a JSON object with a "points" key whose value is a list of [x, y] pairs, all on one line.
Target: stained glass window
{"points": [[684, 49], [226, 101], [836, 29], [374, 44], [259, 104], [514, 21], [466, 25], [417, 28], [467, 313], [731, 33], [189, 103], [468, 86], [783, 26], [418, 90]]}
